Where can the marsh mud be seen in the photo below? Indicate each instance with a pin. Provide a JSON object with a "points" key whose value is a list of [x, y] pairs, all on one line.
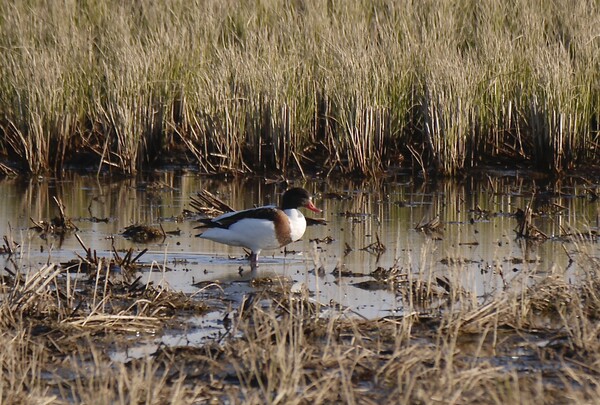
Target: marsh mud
{"points": [[383, 244]]}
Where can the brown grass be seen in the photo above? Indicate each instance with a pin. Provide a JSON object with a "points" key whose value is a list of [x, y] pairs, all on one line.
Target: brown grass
{"points": [[534, 341], [306, 86]]}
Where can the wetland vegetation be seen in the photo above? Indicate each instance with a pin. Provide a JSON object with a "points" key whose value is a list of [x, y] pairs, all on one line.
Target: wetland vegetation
{"points": [[301, 86], [416, 291], [535, 343], [482, 290]]}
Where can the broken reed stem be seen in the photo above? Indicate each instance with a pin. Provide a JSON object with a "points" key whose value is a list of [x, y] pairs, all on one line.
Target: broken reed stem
{"points": [[105, 291], [26, 294], [97, 280]]}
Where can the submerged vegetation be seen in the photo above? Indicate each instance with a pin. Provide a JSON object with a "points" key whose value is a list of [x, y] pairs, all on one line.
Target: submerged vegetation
{"points": [[308, 86]]}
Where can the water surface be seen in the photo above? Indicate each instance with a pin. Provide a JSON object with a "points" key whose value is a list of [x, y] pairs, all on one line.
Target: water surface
{"points": [[476, 243]]}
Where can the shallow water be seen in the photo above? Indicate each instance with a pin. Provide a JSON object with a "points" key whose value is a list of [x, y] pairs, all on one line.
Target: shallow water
{"points": [[476, 246]]}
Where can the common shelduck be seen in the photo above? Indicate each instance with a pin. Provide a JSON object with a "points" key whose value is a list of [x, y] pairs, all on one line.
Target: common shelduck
{"points": [[261, 228]]}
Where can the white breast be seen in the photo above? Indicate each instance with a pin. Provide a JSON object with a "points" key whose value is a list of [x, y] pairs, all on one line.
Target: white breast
{"points": [[297, 223]]}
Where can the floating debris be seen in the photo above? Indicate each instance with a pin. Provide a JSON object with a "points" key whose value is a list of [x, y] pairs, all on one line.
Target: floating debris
{"points": [[449, 261], [384, 279], [372, 285], [271, 281], [342, 271], [525, 228], [388, 275], [59, 225], [432, 228], [519, 260], [480, 214], [347, 249], [93, 218], [9, 247], [326, 240], [376, 248], [143, 233]]}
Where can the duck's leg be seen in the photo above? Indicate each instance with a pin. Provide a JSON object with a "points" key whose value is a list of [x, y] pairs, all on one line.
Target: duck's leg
{"points": [[253, 261]]}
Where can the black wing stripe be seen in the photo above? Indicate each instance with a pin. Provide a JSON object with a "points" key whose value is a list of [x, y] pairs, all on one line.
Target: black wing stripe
{"points": [[260, 213]]}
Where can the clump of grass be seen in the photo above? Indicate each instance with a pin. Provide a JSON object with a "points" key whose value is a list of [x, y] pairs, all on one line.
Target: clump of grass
{"points": [[360, 88], [58, 329]]}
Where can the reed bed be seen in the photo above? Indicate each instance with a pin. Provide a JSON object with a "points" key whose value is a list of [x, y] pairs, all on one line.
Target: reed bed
{"points": [[310, 86]]}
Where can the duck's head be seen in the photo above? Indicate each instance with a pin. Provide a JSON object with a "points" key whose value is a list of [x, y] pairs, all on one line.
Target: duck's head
{"points": [[298, 197]]}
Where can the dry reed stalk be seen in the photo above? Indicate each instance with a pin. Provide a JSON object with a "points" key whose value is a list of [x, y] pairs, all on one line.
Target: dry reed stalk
{"points": [[117, 322], [239, 89], [24, 297]]}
